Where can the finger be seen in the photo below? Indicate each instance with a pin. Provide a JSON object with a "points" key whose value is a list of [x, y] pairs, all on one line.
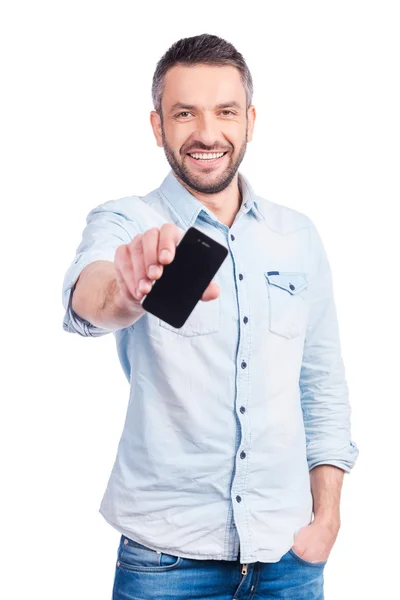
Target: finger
{"points": [[141, 283], [124, 272], [170, 236], [150, 252], [211, 292]]}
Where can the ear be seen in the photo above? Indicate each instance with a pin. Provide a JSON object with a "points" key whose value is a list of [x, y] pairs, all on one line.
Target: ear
{"points": [[251, 116], [155, 121]]}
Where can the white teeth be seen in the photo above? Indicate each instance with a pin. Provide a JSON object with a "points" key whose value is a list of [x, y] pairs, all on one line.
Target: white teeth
{"points": [[207, 156]]}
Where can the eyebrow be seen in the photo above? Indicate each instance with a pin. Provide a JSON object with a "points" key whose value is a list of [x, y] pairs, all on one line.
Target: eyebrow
{"points": [[232, 104]]}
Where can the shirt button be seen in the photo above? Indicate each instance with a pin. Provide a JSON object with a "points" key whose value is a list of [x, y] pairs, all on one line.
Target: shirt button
{"points": [[244, 364], [291, 286], [232, 237], [238, 499], [240, 276], [245, 319], [242, 409], [243, 455]]}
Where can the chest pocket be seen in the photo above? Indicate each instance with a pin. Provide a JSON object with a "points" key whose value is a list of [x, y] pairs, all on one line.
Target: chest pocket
{"points": [[203, 320], [288, 302]]}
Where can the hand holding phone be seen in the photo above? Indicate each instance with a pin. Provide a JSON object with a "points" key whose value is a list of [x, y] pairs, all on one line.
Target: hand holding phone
{"points": [[141, 263], [183, 282]]}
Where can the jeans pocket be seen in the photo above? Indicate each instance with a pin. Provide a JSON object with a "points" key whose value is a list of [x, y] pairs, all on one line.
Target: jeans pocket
{"points": [[307, 563], [137, 557], [288, 302]]}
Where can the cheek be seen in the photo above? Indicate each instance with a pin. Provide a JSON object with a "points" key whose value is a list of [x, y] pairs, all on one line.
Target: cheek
{"points": [[235, 135], [179, 137]]}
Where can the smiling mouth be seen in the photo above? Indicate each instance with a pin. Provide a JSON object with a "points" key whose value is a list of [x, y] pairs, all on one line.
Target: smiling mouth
{"points": [[206, 158]]}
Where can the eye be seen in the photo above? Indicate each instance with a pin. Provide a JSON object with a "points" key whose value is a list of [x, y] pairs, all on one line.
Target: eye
{"points": [[228, 111], [185, 112]]}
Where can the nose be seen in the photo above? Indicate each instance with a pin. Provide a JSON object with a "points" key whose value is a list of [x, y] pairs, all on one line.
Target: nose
{"points": [[208, 130]]}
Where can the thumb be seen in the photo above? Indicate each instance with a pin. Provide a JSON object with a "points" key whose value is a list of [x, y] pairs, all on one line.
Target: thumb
{"points": [[212, 292]]}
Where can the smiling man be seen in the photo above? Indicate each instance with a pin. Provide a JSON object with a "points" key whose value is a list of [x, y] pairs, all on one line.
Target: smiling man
{"points": [[229, 470], [205, 142]]}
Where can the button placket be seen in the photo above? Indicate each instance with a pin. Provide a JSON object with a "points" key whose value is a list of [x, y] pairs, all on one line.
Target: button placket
{"points": [[243, 383]]}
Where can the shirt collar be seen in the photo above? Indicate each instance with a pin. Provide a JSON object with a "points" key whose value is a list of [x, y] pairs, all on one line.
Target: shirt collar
{"points": [[187, 207]]}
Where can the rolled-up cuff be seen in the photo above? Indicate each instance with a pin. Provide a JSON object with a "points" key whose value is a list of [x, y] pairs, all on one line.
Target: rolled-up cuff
{"points": [[73, 323], [343, 457]]}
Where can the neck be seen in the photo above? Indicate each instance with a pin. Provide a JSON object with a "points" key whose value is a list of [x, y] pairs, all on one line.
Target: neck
{"points": [[225, 205]]}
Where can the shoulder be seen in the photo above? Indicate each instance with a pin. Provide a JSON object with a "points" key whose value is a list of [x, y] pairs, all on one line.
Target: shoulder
{"points": [[136, 210], [281, 218], [127, 207]]}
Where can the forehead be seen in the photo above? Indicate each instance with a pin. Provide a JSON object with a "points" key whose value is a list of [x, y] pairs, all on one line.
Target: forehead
{"points": [[203, 85]]}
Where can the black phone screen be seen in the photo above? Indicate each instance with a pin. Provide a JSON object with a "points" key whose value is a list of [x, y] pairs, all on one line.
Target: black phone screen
{"points": [[174, 296]]}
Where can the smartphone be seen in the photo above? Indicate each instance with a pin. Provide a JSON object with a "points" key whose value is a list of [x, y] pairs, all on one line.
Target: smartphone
{"points": [[184, 280]]}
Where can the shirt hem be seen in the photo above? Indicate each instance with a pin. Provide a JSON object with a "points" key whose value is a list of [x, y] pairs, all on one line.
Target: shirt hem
{"points": [[137, 538]]}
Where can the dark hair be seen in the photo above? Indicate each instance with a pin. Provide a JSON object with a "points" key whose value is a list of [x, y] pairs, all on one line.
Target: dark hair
{"points": [[200, 49]]}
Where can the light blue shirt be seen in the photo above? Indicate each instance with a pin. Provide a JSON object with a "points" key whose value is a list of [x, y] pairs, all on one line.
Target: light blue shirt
{"points": [[228, 414]]}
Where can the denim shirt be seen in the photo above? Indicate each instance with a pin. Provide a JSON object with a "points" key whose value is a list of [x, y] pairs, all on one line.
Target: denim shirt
{"points": [[228, 414]]}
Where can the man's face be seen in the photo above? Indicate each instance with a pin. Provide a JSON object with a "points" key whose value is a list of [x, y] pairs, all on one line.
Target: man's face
{"points": [[204, 111]]}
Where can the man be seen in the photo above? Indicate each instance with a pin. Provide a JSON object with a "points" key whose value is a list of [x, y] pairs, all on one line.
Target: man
{"points": [[229, 470]]}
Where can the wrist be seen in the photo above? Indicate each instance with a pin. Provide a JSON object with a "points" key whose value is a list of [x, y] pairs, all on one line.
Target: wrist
{"points": [[328, 520], [124, 308]]}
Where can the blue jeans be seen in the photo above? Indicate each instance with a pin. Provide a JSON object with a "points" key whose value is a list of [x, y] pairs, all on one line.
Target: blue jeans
{"points": [[144, 574]]}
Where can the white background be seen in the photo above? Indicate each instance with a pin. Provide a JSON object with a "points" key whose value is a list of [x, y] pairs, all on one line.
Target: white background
{"points": [[75, 132]]}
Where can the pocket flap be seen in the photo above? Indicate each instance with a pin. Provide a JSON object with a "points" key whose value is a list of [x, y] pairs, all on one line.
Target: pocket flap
{"points": [[292, 282]]}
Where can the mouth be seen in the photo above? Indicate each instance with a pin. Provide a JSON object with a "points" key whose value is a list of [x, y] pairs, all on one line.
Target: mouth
{"points": [[206, 159]]}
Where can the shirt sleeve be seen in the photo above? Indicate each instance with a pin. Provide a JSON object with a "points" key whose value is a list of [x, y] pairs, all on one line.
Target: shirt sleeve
{"points": [[323, 386], [106, 229]]}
